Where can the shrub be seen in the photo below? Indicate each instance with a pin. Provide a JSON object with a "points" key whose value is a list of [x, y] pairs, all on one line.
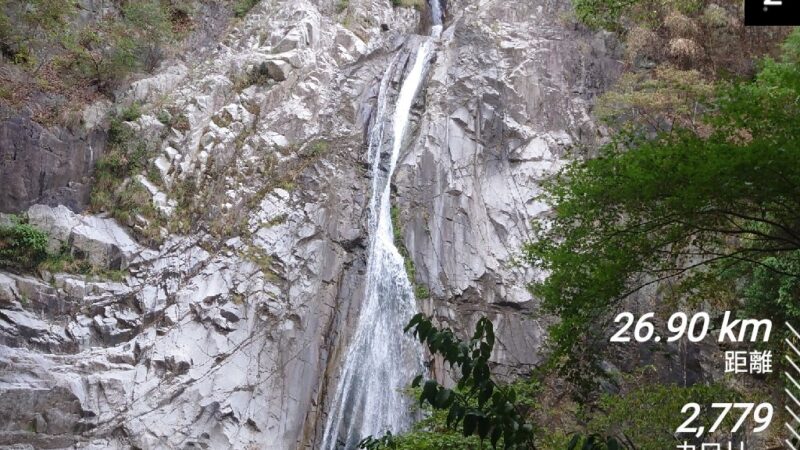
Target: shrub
{"points": [[164, 117], [407, 3], [318, 149], [716, 16], [649, 414], [242, 7], [22, 246], [149, 23], [181, 123], [114, 191], [26, 26], [642, 43], [684, 49], [104, 53], [680, 25], [259, 75], [131, 113], [655, 101], [65, 262]]}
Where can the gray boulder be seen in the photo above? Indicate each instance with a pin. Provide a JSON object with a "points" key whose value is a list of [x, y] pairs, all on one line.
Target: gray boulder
{"points": [[102, 241]]}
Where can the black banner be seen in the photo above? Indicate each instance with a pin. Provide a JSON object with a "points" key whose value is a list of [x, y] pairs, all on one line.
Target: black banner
{"points": [[772, 12]]}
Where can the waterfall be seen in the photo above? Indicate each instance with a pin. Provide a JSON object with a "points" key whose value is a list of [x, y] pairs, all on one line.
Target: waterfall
{"points": [[437, 16], [382, 361]]}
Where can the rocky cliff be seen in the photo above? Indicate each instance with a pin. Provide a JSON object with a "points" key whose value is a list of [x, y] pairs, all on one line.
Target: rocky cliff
{"points": [[230, 334]]}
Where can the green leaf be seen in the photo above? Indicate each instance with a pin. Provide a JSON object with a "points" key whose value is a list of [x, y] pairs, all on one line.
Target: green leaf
{"points": [[428, 392], [443, 398], [484, 427], [497, 432], [470, 423], [573, 443], [454, 415], [512, 394], [485, 394], [414, 322], [486, 349]]}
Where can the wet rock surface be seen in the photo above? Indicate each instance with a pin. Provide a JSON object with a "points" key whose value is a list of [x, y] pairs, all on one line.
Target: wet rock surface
{"points": [[236, 341]]}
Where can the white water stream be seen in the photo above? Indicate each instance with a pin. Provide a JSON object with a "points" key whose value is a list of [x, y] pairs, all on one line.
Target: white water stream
{"points": [[382, 361]]}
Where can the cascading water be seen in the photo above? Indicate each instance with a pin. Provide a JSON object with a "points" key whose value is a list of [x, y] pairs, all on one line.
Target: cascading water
{"points": [[382, 361], [437, 15]]}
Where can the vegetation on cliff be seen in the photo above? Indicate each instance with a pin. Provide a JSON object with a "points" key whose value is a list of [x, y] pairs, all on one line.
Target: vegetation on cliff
{"points": [[24, 249], [57, 49], [22, 246]]}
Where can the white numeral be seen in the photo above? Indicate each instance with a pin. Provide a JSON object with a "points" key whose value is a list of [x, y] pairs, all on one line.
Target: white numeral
{"points": [[762, 415]]}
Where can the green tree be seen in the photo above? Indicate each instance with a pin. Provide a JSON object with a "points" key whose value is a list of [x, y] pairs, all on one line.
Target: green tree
{"points": [[684, 207], [478, 405]]}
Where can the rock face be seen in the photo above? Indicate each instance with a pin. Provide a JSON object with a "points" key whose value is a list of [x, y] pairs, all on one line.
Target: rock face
{"points": [[102, 242], [234, 339], [511, 92], [49, 166]]}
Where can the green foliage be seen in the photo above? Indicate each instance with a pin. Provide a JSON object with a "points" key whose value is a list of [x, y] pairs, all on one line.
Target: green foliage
{"points": [[407, 3], [420, 290], [655, 210], [655, 101], [26, 26], [164, 117], [22, 246], [131, 113], [259, 257], [770, 290], [478, 406], [593, 442], [114, 190], [65, 262], [603, 14], [434, 433], [147, 24], [318, 148], [105, 52], [242, 7], [384, 442], [648, 415], [181, 122], [431, 433], [613, 14]]}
